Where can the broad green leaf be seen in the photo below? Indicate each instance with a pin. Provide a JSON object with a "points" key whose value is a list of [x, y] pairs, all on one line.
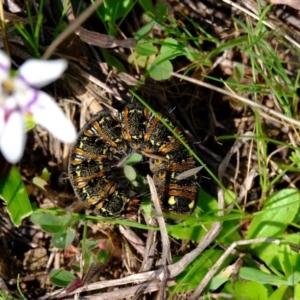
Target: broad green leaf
{"points": [[297, 291], [286, 259], [61, 277], [145, 29], [192, 227], [279, 293], [279, 258], [42, 180], [147, 206], [130, 173], [187, 229], [221, 278], [76, 267], [88, 258], [278, 212], [140, 60], [36, 217], [40, 183], [133, 159], [294, 278], [289, 258], [261, 277], [161, 68], [145, 49], [63, 239], [248, 290], [169, 48], [52, 223], [13, 192], [161, 11]]}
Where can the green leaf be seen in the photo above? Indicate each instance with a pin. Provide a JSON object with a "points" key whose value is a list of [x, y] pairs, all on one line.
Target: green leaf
{"points": [[294, 278], [194, 273], [61, 277], [187, 229], [130, 173], [145, 29], [112, 10], [40, 183], [45, 174], [261, 277], [161, 11], [53, 224], [169, 48], [133, 159], [63, 239], [161, 68], [88, 258], [147, 6], [280, 258], [147, 206], [246, 290], [221, 278], [36, 217], [13, 192], [284, 256], [278, 212], [91, 244], [297, 291], [42, 180], [140, 60], [145, 49], [102, 256], [279, 293], [239, 72], [112, 60]]}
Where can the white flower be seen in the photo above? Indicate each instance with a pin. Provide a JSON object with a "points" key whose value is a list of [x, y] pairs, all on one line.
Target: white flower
{"points": [[20, 96]]}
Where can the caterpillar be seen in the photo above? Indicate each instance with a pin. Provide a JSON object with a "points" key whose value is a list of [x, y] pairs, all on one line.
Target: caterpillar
{"points": [[107, 139]]}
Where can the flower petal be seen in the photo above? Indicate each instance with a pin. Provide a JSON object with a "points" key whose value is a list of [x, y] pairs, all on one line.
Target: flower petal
{"points": [[2, 123], [4, 66], [13, 138], [38, 73], [48, 114], [23, 96]]}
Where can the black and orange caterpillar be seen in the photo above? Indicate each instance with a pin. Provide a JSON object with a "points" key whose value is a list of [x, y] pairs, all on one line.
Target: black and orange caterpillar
{"points": [[107, 138]]}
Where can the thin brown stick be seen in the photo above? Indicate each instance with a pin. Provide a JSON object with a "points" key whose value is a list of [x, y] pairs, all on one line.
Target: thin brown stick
{"points": [[197, 292], [279, 116], [166, 251]]}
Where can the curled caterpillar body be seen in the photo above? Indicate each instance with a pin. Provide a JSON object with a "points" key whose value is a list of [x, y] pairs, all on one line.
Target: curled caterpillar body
{"points": [[107, 139]]}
